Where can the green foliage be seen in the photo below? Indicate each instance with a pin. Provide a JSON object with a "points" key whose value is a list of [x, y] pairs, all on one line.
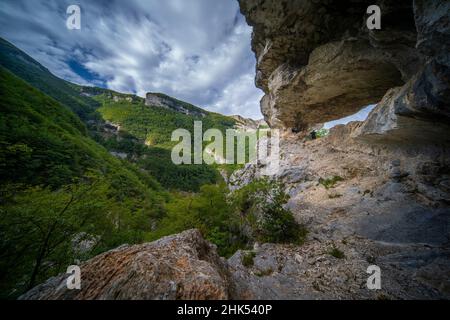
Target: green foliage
{"points": [[155, 125], [42, 230], [210, 212], [40, 141], [60, 187], [334, 196], [46, 157], [248, 259], [335, 252], [158, 163], [226, 219], [39, 77], [322, 133], [264, 273], [43, 143], [261, 204], [229, 169], [330, 182]]}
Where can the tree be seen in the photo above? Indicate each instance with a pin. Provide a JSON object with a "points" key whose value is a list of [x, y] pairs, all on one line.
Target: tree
{"points": [[41, 229]]}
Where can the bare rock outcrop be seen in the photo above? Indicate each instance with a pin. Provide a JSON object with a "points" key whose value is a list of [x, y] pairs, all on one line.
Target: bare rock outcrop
{"points": [[247, 123], [390, 207], [183, 266], [317, 61], [164, 101]]}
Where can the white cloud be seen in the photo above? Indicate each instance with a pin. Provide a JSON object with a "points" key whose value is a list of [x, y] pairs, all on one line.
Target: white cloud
{"points": [[197, 50]]}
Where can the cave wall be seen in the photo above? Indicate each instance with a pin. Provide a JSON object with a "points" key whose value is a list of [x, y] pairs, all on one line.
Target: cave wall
{"points": [[317, 61]]}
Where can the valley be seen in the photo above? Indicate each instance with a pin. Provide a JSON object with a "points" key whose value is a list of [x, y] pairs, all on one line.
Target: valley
{"points": [[105, 180]]}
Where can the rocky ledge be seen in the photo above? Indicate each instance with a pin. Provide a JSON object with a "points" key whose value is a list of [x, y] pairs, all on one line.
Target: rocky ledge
{"points": [[183, 266], [187, 267]]}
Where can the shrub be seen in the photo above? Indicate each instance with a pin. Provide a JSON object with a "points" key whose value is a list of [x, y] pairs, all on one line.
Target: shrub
{"points": [[210, 212], [248, 259], [260, 205], [322, 133]]}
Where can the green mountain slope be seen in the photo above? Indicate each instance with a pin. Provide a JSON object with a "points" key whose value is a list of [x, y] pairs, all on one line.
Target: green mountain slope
{"points": [[155, 124], [43, 143], [64, 198], [138, 124], [25, 67], [56, 184]]}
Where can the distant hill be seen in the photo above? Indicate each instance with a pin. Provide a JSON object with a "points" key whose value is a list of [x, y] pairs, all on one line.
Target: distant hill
{"points": [[60, 180], [145, 130], [25, 67], [246, 123], [86, 169]]}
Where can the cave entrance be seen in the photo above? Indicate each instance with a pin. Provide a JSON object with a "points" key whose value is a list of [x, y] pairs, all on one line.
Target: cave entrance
{"points": [[361, 115]]}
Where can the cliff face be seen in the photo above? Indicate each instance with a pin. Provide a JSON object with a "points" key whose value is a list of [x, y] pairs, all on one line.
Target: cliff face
{"points": [[163, 101], [317, 61], [390, 208]]}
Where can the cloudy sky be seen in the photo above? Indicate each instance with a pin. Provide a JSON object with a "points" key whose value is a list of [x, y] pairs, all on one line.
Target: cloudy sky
{"points": [[196, 50]]}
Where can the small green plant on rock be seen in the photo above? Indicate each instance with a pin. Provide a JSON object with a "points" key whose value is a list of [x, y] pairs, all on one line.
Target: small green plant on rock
{"points": [[334, 195], [247, 259], [322, 133], [264, 273], [335, 252], [330, 182]]}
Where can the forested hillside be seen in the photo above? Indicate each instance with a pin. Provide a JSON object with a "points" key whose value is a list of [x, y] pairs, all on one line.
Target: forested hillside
{"points": [[66, 196], [25, 67], [57, 184]]}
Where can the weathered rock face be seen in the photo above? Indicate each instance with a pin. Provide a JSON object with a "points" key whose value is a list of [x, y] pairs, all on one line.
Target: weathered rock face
{"points": [[247, 123], [390, 208], [184, 266], [164, 101], [317, 61], [420, 108]]}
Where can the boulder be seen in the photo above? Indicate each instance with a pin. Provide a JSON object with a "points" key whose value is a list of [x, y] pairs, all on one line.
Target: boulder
{"points": [[183, 266]]}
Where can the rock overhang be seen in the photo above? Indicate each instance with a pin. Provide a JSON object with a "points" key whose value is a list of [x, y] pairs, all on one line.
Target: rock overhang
{"points": [[317, 61]]}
